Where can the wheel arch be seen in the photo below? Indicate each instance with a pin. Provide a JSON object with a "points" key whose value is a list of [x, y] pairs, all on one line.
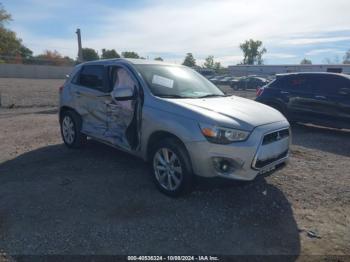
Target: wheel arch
{"points": [[159, 135], [65, 109]]}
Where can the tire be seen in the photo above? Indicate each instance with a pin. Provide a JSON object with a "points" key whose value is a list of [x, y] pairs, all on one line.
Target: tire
{"points": [[70, 123], [174, 177]]}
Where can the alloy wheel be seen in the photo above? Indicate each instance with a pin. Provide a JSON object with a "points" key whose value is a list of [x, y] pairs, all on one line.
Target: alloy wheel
{"points": [[167, 169]]}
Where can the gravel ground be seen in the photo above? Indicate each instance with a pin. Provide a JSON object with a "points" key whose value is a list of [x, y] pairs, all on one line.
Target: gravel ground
{"points": [[98, 200], [21, 92]]}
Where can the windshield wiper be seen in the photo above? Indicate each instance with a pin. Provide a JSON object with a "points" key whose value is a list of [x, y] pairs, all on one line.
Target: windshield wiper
{"points": [[171, 96], [211, 95]]}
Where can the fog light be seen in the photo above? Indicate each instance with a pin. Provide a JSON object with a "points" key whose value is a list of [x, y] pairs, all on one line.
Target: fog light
{"points": [[223, 165]]}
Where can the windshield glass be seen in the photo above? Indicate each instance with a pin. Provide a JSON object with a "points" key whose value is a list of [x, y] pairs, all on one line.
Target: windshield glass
{"points": [[177, 82]]}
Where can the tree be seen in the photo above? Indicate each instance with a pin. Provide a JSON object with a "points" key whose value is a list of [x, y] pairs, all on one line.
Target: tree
{"points": [[90, 54], [158, 58], [346, 59], [52, 58], [217, 67], [11, 48], [252, 52], [107, 54], [4, 16], [209, 62], [306, 62], [189, 60], [335, 60], [130, 54]]}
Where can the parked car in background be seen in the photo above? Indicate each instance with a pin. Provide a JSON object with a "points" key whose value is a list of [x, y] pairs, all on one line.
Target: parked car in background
{"points": [[172, 117], [250, 82], [225, 80], [216, 79], [319, 98]]}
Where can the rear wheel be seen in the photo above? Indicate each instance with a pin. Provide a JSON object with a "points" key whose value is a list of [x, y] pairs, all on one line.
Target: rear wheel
{"points": [[171, 168], [71, 130]]}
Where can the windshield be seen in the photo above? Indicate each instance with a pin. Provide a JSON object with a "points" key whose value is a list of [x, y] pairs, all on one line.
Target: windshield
{"points": [[177, 82]]}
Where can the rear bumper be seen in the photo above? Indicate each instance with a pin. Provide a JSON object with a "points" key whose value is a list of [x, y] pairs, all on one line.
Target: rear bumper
{"points": [[242, 156]]}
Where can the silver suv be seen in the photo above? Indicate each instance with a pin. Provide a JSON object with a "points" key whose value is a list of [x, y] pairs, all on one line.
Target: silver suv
{"points": [[174, 118]]}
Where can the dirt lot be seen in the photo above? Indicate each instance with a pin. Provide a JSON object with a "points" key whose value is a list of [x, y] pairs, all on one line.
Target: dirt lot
{"points": [[100, 201]]}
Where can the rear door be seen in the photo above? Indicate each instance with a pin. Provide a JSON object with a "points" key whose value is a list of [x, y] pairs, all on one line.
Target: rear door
{"points": [[343, 104], [324, 94], [296, 90], [335, 94], [90, 91]]}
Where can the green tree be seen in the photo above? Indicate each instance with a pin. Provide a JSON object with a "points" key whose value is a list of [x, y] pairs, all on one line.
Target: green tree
{"points": [[252, 52], [5, 17], [209, 62], [90, 54], [158, 58], [306, 62], [11, 47], [189, 60], [130, 54], [346, 59], [217, 67], [107, 54]]}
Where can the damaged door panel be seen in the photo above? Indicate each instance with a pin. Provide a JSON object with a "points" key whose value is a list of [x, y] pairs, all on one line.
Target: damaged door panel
{"points": [[90, 92], [121, 111]]}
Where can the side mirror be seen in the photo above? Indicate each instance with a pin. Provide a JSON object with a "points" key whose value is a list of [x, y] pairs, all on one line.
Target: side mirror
{"points": [[122, 94]]}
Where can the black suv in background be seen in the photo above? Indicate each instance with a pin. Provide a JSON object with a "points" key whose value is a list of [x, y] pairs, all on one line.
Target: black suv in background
{"points": [[318, 98]]}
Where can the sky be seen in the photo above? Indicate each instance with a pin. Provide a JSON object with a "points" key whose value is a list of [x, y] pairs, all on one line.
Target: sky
{"points": [[290, 29]]}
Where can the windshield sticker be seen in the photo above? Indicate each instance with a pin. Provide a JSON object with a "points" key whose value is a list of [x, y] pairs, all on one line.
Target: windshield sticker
{"points": [[162, 81]]}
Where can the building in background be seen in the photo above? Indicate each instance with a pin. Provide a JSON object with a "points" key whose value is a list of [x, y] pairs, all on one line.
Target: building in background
{"points": [[267, 70]]}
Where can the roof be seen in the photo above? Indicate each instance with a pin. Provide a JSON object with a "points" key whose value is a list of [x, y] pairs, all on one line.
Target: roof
{"points": [[295, 65], [312, 73], [129, 61]]}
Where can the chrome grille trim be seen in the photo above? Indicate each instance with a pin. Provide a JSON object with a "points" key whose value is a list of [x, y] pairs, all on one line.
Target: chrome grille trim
{"points": [[283, 156]]}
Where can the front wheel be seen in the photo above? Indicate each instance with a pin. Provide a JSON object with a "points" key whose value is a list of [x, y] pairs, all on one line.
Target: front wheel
{"points": [[171, 168]]}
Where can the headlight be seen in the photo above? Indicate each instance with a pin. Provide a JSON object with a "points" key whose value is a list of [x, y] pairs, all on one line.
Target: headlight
{"points": [[222, 135]]}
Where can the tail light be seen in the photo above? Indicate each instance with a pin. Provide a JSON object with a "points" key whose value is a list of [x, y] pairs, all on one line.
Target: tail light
{"points": [[259, 91], [61, 88]]}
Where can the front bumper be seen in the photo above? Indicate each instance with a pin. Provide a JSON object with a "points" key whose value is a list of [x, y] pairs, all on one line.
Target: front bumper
{"points": [[243, 155]]}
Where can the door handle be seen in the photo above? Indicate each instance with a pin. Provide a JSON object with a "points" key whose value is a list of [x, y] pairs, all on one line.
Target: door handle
{"points": [[77, 93], [320, 97], [284, 92]]}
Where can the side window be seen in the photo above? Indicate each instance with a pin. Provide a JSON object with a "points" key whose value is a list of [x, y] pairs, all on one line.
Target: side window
{"points": [[121, 78], [92, 76], [296, 83], [332, 84]]}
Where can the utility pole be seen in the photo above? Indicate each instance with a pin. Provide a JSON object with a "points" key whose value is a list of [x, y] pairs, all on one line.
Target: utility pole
{"points": [[80, 50]]}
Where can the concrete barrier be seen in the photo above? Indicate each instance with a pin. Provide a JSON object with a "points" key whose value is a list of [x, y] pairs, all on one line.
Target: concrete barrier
{"points": [[34, 71]]}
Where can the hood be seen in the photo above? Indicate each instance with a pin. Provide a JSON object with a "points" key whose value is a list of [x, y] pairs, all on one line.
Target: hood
{"points": [[247, 113]]}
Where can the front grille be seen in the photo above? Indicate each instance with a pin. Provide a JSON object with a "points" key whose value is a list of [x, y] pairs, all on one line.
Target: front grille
{"points": [[275, 136], [260, 163]]}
